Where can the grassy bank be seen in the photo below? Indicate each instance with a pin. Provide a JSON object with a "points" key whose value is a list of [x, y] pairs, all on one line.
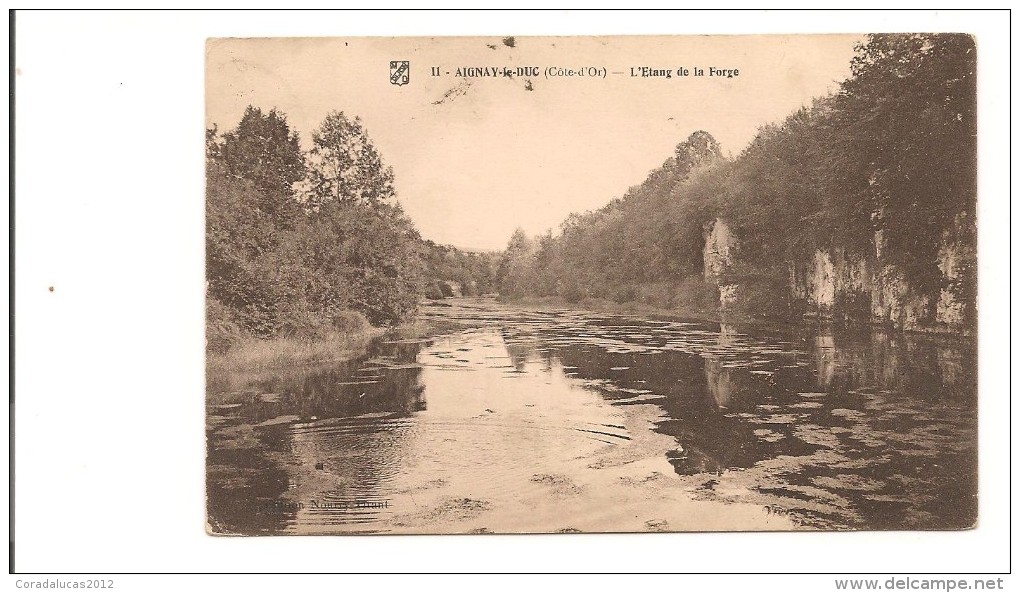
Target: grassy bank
{"points": [[302, 338], [253, 354], [251, 360]]}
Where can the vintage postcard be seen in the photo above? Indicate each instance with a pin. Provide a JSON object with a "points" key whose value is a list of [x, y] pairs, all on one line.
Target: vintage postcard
{"points": [[591, 284]]}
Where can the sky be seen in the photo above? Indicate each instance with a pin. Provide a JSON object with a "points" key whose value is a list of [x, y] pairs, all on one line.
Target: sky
{"points": [[476, 157]]}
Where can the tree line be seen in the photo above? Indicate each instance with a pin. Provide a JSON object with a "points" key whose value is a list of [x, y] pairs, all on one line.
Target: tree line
{"points": [[303, 242], [893, 150]]}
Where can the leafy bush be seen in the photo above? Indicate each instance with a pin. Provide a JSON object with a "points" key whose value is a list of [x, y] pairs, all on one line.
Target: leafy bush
{"points": [[293, 260], [446, 288], [434, 291], [221, 332], [306, 326], [623, 294], [570, 289], [656, 294], [350, 323], [696, 294]]}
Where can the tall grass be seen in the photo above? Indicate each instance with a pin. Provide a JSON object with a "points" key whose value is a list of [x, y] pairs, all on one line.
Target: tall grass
{"points": [[235, 361], [253, 354], [253, 360], [303, 339]]}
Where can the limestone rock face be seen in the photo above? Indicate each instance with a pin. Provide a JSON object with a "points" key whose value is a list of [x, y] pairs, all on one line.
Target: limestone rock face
{"points": [[719, 256], [837, 283], [720, 249]]}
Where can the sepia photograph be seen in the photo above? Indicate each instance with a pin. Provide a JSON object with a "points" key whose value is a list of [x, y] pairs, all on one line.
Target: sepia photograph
{"points": [[590, 284], [649, 298]]}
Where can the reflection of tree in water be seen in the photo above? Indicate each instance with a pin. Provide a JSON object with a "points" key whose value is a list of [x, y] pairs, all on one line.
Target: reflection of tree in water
{"points": [[952, 364], [728, 410], [519, 352], [908, 408], [331, 454], [242, 488], [387, 380], [707, 439], [524, 346], [882, 422]]}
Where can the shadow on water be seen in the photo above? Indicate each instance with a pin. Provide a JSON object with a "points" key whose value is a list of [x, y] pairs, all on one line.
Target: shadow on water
{"points": [[836, 429], [853, 429], [840, 429], [265, 434]]}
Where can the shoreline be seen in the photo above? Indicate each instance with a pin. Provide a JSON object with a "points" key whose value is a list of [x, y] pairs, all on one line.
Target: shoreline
{"points": [[254, 359], [254, 354], [633, 308]]}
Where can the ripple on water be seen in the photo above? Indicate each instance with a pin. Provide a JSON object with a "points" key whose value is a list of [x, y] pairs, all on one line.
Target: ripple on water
{"points": [[835, 432]]}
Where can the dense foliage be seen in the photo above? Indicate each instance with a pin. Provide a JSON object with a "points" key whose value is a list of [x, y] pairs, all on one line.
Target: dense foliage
{"points": [[455, 272], [894, 150], [297, 242]]}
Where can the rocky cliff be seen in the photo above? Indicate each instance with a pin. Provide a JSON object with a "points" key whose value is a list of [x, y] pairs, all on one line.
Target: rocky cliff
{"points": [[840, 284]]}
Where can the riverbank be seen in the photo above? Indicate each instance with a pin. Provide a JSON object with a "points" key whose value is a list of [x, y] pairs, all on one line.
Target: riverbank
{"points": [[507, 418], [252, 359], [253, 354], [594, 305]]}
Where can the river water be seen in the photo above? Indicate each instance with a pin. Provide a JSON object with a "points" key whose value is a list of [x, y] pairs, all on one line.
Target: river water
{"points": [[526, 420]]}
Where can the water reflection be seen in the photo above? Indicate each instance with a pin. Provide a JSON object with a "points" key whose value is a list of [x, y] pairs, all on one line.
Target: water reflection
{"points": [[842, 429], [304, 446], [833, 429]]}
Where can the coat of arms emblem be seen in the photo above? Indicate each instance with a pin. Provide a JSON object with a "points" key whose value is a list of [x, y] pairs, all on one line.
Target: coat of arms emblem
{"points": [[400, 72]]}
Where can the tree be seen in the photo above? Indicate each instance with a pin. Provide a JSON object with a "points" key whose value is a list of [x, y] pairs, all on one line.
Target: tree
{"points": [[699, 149], [365, 258], [241, 259], [344, 165], [212, 145], [908, 118], [366, 251], [515, 266], [264, 150]]}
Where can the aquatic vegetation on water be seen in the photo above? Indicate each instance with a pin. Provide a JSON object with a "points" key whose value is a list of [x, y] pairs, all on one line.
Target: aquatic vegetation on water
{"points": [[524, 420]]}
